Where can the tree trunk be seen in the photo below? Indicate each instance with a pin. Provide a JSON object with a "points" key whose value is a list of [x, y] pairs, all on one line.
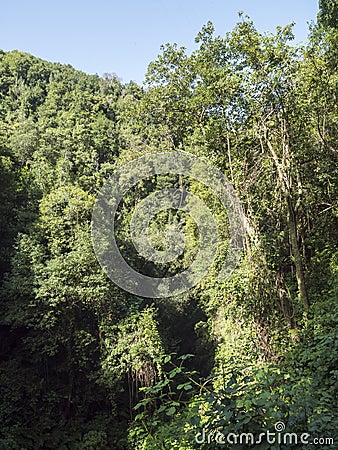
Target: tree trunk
{"points": [[296, 255], [285, 184]]}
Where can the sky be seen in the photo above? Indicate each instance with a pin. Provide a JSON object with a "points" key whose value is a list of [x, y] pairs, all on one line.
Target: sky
{"points": [[123, 37]]}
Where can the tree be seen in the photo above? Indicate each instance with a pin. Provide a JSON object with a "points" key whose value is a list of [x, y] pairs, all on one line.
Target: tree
{"points": [[328, 13]]}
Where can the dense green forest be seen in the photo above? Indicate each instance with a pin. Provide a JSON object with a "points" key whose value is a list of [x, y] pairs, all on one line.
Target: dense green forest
{"points": [[85, 364]]}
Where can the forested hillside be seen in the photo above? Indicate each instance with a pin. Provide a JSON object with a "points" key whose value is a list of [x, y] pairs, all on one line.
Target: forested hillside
{"points": [[85, 364]]}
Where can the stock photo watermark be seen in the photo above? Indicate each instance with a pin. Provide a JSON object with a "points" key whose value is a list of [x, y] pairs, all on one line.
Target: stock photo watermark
{"points": [[123, 181], [279, 436]]}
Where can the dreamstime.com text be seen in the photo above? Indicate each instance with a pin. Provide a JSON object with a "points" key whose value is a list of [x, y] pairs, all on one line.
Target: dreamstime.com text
{"points": [[276, 437]]}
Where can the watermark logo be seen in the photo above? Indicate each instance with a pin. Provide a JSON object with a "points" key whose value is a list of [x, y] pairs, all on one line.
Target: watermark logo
{"points": [[123, 181], [279, 426], [279, 436]]}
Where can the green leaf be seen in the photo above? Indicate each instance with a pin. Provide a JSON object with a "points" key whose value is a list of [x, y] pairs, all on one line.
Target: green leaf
{"points": [[171, 411]]}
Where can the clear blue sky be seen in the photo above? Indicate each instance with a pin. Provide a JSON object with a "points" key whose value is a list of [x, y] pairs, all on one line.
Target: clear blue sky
{"points": [[124, 36]]}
